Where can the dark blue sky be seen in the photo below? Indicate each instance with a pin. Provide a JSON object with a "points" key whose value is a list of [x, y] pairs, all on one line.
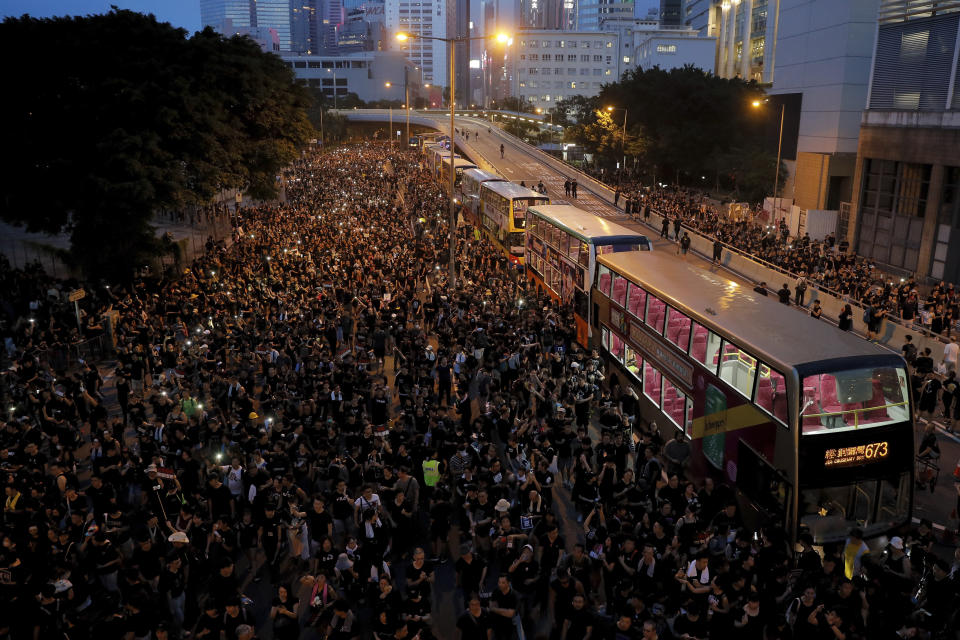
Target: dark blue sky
{"points": [[180, 13]]}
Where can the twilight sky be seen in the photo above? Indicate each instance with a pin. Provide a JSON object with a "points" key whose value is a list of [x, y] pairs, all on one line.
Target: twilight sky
{"points": [[180, 13]]}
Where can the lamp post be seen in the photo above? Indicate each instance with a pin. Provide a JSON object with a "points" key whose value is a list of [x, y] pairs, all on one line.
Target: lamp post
{"points": [[334, 89], [406, 104], [452, 44], [776, 179], [623, 140], [390, 130]]}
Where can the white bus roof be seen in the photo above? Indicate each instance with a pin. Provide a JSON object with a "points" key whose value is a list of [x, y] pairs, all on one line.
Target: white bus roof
{"points": [[769, 330], [459, 162], [510, 190], [482, 176], [586, 226]]}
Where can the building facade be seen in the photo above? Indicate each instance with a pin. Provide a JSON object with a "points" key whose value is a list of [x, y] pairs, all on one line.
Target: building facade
{"points": [[427, 18], [823, 54], [592, 13], [672, 50], [905, 211], [554, 65], [746, 33], [671, 13], [365, 74]]}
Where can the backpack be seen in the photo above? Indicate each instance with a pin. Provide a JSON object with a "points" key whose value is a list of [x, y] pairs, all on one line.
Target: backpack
{"points": [[866, 314], [792, 611]]}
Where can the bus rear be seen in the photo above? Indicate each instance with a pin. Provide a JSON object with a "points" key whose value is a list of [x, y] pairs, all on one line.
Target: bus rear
{"points": [[517, 224]]}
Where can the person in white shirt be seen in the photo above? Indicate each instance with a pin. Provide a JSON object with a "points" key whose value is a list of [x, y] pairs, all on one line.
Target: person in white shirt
{"points": [[367, 500], [950, 353], [234, 477]]}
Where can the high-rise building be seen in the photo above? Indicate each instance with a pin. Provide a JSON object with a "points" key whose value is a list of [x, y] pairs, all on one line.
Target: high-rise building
{"points": [[592, 13], [905, 210], [463, 26], [305, 36], [229, 16], [548, 14], [554, 65], [671, 13], [226, 16], [436, 18]]}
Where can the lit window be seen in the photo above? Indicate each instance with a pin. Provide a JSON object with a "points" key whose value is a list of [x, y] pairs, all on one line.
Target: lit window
{"points": [[626, 59], [666, 48]]}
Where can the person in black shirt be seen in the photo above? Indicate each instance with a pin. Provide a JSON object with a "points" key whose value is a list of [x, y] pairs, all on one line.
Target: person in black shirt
{"points": [[578, 620], [784, 294], [475, 623], [471, 572], [268, 533], [319, 522], [503, 608], [209, 624]]}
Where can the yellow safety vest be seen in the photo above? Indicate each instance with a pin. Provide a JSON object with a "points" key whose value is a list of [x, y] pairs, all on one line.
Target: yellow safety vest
{"points": [[431, 472]]}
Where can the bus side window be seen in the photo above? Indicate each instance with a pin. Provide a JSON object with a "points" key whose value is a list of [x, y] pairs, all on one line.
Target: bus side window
{"points": [[772, 393], [603, 280]]}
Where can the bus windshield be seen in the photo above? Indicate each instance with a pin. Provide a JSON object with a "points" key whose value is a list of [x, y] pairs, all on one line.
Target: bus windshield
{"points": [[853, 399], [875, 506]]}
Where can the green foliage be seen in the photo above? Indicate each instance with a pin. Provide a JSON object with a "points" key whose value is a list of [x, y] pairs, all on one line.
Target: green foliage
{"points": [[510, 103], [576, 110], [117, 115], [683, 121]]}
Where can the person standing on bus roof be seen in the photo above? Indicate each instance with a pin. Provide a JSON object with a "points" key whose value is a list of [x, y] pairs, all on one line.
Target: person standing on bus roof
{"points": [[761, 288], [717, 250], [784, 294], [573, 188]]}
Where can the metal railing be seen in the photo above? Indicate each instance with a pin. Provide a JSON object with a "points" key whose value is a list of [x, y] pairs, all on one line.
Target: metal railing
{"points": [[856, 413]]}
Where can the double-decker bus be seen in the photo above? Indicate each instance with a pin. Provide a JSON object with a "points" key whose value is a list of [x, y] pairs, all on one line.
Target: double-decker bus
{"points": [[428, 139], [563, 243], [442, 169], [813, 425], [501, 213], [469, 191]]}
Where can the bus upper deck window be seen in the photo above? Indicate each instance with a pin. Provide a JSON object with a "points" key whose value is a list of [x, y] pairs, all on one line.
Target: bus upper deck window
{"points": [[853, 399], [636, 300], [772, 393], [619, 290], [603, 280]]}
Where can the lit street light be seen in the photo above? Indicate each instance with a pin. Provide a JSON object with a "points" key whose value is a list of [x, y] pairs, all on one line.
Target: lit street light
{"points": [[776, 180], [502, 38], [623, 140]]}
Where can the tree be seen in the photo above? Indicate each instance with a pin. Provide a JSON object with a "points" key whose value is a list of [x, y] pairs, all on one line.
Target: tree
{"points": [[123, 115], [685, 119], [576, 109]]}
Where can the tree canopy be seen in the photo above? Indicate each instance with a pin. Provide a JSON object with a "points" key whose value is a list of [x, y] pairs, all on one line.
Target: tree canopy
{"points": [[681, 121], [112, 117]]}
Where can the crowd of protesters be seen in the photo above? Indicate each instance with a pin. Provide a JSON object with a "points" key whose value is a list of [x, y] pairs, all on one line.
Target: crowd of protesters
{"points": [[826, 262], [311, 433]]}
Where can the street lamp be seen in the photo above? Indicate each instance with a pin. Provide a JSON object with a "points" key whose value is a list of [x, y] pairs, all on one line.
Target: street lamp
{"points": [[623, 140], [390, 130], [502, 38], [550, 112], [776, 180], [334, 90]]}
